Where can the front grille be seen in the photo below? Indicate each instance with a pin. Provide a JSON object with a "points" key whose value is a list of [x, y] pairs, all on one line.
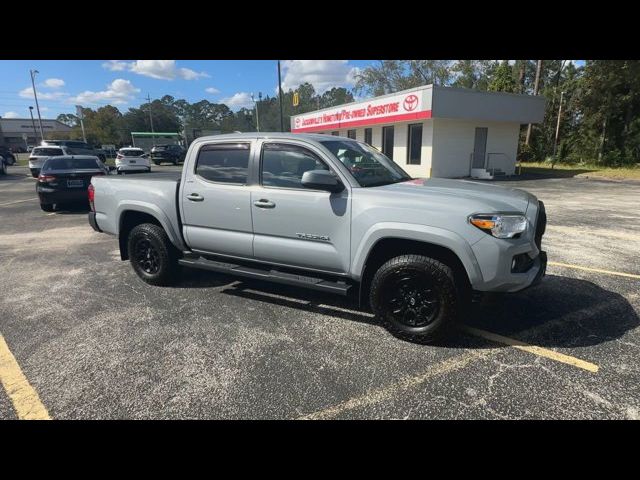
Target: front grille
{"points": [[541, 225]]}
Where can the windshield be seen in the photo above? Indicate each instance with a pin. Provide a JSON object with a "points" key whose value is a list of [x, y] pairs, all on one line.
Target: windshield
{"points": [[47, 152], [66, 163], [368, 166]]}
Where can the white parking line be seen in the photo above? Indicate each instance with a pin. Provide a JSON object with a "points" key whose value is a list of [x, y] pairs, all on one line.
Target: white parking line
{"points": [[17, 201]]}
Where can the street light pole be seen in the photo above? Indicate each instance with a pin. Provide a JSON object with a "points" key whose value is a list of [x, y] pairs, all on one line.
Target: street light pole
{"points": [[280, 95], [35, 95], [33, 122]]}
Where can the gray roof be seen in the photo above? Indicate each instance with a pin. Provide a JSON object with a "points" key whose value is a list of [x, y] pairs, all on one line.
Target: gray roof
{"points": [[318, 137]]}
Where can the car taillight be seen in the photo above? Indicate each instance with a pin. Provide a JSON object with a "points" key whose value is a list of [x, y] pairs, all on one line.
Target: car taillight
{"points": [[92, 195], [46, 178], [119, 157]]}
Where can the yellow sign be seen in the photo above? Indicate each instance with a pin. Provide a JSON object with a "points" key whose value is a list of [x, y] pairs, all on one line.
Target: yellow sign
{"points": [[296, 99]]}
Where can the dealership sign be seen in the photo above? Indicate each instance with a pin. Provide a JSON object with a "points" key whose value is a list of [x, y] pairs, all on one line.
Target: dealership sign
{"points": [[393, 108]]}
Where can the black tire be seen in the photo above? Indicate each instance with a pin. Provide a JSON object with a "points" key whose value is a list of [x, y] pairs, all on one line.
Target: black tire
{"points": [[175, 162], [3, 168], [47, 207], [415, 298], [156, 163], [152, 255]]}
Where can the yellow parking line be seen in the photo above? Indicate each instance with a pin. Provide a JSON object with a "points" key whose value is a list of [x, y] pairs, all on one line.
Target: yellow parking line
{"points": [[596, 270], [23, 396], [542, 352], [378, 395], [18, 201]]}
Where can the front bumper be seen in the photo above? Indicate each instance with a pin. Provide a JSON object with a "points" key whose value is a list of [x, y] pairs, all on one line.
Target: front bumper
{"points": [[495, 257]]}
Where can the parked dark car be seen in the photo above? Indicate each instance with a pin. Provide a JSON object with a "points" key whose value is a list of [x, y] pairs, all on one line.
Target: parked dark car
{"points": [[65, 179], [9, 157], [77, 147], [167, 153]]}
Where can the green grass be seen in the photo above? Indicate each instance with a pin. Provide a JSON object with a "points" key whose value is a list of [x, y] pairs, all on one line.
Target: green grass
{"points": [[581, 170]]}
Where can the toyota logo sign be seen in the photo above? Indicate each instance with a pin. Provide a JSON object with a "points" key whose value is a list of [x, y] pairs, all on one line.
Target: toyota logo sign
{"points": [[410, 103], [297, 122]]}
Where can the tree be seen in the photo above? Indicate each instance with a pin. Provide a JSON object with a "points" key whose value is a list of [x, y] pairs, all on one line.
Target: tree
{"points": [[502, 79]]}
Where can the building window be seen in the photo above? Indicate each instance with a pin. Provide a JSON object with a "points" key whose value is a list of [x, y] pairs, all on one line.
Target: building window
{"points": [[351, 134], [414, 143], [335, 133], [368, 136], [387, 142]]}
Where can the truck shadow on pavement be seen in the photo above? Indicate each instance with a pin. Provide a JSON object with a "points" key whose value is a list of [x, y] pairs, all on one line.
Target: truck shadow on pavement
{"points": [[560, 312]]}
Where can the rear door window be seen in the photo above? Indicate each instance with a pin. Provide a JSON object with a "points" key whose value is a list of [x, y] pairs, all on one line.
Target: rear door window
{"points": [[47, 152], [224, 162]]}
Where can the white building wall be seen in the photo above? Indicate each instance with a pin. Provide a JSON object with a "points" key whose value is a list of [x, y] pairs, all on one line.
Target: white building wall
{"points": [[453, 142]]}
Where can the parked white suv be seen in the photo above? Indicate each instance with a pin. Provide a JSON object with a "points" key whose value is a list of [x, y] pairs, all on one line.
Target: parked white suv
{"points": [[40, 154], [130, 159]]}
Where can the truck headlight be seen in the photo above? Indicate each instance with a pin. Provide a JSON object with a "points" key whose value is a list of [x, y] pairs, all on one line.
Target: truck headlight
{"points": [[500, 225]]}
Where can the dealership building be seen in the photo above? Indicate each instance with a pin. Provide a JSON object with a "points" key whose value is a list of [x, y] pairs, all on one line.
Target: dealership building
{"points": [[433, 131], [20, 132]]}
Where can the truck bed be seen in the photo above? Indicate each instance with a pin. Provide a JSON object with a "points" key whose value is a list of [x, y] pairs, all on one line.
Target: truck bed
{"points": [[152, 193]]}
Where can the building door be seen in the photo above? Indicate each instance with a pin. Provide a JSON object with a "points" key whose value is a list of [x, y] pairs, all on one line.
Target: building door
{"points": [[387, 142], [480, 147]]}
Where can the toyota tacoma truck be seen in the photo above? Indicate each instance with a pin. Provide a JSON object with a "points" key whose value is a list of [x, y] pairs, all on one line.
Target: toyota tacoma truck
{"points": [[330, 214]]}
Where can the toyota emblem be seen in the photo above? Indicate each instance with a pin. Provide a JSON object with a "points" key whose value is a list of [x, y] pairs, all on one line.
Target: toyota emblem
{"points": [[297, 122], [410, 103]]}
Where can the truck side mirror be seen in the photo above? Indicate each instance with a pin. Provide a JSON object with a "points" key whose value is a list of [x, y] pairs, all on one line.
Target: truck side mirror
{"points": [[321, 180]]}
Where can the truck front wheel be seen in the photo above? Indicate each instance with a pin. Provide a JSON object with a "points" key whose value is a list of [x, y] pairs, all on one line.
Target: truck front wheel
{"points": [[152, 255], [415, 298]]}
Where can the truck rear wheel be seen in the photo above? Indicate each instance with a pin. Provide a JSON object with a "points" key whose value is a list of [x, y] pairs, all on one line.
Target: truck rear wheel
{"points": [[415, 298], [152, 255]]}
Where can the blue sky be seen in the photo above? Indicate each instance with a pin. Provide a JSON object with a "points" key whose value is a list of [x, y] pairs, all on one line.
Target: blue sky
{"points": [[61, 84], [125, 83]]}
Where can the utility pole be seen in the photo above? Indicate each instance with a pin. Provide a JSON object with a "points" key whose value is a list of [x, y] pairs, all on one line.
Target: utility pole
{"points": [[256, 108], [153, 133], [536, 86], [35, 95], [555, 143], [80, 115], [280, 95], [33, 122]]}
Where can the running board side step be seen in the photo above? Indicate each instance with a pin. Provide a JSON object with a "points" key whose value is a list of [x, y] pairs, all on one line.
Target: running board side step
{"points": [[276, 276]]}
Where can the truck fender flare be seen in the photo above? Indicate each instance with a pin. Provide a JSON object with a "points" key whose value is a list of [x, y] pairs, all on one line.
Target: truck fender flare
{"points": [[416, 232], [155, 212]]}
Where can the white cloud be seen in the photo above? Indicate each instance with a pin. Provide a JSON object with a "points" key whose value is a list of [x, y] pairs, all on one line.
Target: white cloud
{"points": [[53, 83], [212, 90], [159, 69], [118, 92], [11, 115], [322, 74], [27, 92], [115, 65], [238, 101]]}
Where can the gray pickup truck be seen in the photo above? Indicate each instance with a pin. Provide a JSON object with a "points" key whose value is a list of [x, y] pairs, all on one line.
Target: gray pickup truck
{"points": [[331, 214]]}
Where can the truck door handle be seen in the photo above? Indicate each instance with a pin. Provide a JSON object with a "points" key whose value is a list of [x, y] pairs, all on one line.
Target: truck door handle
{"points": [[195, 197], [262, 203]]}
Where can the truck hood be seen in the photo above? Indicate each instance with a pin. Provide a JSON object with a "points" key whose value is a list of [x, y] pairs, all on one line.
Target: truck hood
{"points": [[485, 198]]}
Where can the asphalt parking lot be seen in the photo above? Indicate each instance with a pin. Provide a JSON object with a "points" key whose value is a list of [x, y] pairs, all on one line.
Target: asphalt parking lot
{"points": [[94, 342]]}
